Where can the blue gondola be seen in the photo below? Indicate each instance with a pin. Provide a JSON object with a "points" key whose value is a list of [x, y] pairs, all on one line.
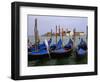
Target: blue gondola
{"points": [[60, 51], [42, 51], [38, 50], [81, 50], [38, 54]]}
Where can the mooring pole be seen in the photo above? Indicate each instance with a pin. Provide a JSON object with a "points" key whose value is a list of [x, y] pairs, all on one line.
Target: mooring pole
{"points": [[62, 37], [56, 34]]}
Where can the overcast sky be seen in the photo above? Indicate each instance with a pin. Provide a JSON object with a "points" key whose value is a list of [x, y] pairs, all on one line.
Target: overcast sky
{"points": [[46, 23]]}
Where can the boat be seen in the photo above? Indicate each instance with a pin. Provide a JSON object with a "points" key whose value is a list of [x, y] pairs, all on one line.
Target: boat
{"points": [[60, 51], [38, 51], [42, 52], [81, 50]]}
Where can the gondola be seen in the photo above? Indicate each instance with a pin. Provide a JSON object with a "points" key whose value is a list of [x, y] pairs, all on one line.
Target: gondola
{"points": [[60, 51], [81, 50], [40, 53]]}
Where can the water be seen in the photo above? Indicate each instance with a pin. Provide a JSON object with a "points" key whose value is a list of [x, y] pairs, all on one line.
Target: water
{"points": [[72, 60]]}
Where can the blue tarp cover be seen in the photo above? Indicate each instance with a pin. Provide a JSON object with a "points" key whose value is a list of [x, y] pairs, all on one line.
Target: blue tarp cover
{"points": [[69, 44], [81, 52], [59, 44], [41, 52]]}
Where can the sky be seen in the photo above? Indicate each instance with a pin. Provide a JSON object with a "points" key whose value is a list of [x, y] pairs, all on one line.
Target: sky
{"points": [[46, 23]]}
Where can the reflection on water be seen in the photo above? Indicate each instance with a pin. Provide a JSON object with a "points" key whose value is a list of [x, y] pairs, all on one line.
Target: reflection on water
{"points": [[72, 60]]}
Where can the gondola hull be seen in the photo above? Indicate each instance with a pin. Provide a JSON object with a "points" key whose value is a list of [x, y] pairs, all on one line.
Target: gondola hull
{"points": [[35, 57], [81, 54], [61, 53], [38, 55]]}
